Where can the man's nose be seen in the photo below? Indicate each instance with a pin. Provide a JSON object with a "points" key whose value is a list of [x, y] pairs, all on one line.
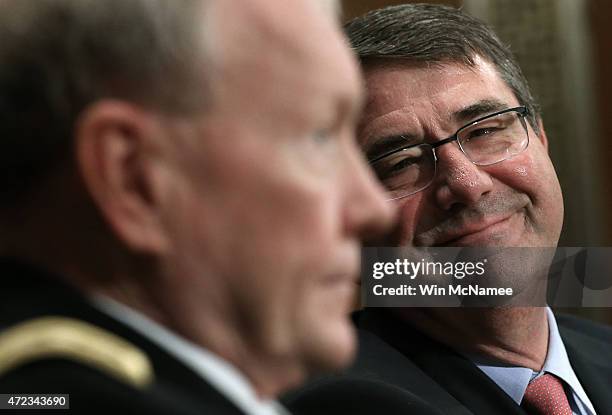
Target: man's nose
{"points": [[458, 182], [368, 213]]}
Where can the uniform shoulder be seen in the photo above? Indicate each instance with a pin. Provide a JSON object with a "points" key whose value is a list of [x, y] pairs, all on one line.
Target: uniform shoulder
{"points": [[68, 339], [101, 371]]}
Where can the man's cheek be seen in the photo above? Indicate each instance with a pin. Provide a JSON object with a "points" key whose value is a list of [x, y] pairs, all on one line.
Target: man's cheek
{"points": [[519, 172]]}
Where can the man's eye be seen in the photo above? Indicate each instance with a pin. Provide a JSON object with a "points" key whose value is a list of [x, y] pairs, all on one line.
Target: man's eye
{"points": [[483, 132], [402, 164], [391, 168]]}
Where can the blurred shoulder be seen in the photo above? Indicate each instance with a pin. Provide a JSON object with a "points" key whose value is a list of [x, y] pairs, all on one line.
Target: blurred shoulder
{"points": [[572, 325], [356, 396]]}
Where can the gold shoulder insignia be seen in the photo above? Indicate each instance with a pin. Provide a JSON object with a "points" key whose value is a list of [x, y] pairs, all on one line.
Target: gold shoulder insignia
{"points": [[66, 338]]}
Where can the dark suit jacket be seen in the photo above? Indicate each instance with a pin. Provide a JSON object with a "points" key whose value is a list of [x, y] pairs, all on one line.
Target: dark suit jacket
{"points": [[410, 373], [28, 294]]}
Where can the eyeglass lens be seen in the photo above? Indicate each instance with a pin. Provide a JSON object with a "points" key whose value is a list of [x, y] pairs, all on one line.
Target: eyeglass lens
{"points": [[488, 141]]}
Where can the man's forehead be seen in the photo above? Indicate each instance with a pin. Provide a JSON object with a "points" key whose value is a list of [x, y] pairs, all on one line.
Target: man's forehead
{"points": [[299, 33], [397, 79], [402, 94], [293, 48], [265, 27]]}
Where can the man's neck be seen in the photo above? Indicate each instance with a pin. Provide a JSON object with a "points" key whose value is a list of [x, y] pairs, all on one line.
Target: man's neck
{"points": [[204, 325], [517, 336]]}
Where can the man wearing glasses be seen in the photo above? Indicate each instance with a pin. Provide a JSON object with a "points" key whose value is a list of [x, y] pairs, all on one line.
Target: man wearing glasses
{"points": [[452, 131]]}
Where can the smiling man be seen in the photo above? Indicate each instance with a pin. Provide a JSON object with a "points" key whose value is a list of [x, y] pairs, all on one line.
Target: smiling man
{"points": [[182, 202], [452, 131], [457, 182]]}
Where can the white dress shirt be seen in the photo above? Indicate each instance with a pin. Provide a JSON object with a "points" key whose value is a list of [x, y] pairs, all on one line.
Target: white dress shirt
{"points": [[514, 380], [219, 373]]}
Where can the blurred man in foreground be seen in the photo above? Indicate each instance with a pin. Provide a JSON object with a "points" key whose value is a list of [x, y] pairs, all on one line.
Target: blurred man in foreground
{"points": [[452, 131], [182, 201]]}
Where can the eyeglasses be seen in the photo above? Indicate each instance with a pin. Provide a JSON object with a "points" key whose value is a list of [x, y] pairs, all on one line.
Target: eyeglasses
{"points": [[485, 141]]}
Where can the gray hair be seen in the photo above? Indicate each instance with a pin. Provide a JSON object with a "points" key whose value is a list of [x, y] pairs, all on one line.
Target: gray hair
{"points": [[59, 56], [428, 33]]}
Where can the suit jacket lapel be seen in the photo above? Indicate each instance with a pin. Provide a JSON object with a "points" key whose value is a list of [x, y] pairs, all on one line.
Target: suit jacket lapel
{"points": [[458, 376], [382, 362]]}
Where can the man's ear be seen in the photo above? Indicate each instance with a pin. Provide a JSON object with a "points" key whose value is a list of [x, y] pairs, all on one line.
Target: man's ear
{"points": [[115, 155], [542, 134]]}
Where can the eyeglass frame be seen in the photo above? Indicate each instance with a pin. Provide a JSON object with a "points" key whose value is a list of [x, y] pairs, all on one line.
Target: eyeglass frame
{"points": [[522, 111]]}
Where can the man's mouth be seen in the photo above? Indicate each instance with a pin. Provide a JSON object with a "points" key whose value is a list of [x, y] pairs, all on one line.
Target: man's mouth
{"points": [[489, 232]]}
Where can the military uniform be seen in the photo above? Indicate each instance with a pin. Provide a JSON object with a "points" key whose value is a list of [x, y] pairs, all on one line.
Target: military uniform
{"points": [[53, 341]]}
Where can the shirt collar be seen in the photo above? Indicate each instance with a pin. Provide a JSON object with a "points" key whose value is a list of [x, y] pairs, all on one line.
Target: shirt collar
{"points": [[511, 379], [222, 375], [514, 380]]}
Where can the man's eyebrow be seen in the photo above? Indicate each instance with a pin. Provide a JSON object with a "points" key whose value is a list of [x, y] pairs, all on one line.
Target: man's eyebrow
{"points": [[385, 145], [479, 109]]}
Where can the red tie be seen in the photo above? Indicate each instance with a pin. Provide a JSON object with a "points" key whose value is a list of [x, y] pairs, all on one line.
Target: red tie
{"points": [[545, 396]]}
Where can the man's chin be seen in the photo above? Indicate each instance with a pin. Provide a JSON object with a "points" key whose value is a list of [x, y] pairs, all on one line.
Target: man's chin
{"points": [[334, 349]]}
